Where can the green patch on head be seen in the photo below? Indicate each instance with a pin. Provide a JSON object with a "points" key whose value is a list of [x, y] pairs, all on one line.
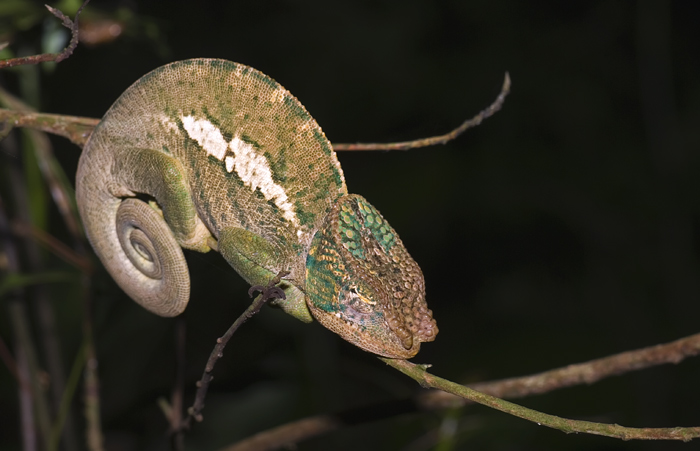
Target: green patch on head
{"points": [[372, 220], [350, 230], [323, 278]]}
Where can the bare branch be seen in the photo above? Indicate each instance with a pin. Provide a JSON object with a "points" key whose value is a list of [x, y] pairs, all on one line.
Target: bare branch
{"points": [[77, 129], [441, 139], [266, 294], [57, 57], [427, 380], [578, 374]]}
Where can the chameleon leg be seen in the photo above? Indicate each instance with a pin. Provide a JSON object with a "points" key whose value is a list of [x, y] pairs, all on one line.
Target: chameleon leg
{"points": [[163, 177], [251, 255]]}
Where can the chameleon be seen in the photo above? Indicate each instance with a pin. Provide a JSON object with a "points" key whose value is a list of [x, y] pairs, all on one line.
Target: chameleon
{"points": [[208, 154]]}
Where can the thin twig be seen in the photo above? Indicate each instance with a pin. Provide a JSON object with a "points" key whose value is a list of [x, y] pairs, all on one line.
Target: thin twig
{"points": [[441, 139], [72, 25], [195, 411]]}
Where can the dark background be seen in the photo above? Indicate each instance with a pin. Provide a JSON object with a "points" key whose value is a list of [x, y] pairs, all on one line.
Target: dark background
{"points": [[563, 229]]}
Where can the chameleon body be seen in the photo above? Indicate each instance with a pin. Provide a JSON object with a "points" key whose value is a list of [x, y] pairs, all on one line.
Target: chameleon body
{"points": [[210, 154]]}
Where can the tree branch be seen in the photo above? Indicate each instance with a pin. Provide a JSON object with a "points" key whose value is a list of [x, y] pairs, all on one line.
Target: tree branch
{"points": [[77, 129], [441, 139], [427, 380], [576, 374]]}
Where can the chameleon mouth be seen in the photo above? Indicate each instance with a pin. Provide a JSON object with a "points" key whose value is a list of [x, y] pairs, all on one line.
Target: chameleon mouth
{"points": [[371, 332]]}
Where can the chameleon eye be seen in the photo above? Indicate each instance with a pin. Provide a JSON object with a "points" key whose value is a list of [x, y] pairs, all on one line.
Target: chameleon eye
{"points": [[355, 301]]}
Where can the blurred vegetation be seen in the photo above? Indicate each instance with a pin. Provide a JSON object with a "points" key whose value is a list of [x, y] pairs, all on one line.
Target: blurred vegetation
{"points": [[565, 228]]}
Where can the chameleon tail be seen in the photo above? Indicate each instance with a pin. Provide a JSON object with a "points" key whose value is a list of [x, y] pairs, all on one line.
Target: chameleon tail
{"points": [[133, 241]]}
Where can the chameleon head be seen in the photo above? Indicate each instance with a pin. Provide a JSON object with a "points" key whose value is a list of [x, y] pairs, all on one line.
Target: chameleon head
{"points": [[362, 284]]}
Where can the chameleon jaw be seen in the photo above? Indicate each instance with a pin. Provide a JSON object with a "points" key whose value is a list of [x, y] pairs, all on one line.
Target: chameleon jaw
{"points": [[370, 336], [362, 284]]}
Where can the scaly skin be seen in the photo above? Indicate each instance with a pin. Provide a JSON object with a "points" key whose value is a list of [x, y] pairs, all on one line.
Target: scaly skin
{"points": [[208, 154]]}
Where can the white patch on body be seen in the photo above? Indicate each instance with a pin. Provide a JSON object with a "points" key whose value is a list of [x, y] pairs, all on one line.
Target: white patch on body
{"points": [[207, 135], [229, 163], [250, 166], [253, 169]]}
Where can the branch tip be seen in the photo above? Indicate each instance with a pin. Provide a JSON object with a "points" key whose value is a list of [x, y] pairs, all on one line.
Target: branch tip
{"points": [[440, 139]]}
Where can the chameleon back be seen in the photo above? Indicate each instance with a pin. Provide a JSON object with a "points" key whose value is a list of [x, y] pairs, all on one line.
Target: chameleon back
{"points": [[202, 111]]}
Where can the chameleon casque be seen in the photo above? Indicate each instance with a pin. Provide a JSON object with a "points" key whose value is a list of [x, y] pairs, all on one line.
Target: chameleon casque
{"points": [[209, 154]]}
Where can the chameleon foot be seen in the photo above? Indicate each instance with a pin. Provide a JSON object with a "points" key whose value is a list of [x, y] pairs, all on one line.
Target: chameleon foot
{"points": [[271, 291]]}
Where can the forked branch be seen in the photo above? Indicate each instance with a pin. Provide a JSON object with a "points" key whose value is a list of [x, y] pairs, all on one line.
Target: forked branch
{"points": [[266, 294]]}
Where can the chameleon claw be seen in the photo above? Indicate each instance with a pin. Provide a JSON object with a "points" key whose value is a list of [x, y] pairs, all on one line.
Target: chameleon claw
{"points": [[254, 288], [275, 292], [267, 292]]}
